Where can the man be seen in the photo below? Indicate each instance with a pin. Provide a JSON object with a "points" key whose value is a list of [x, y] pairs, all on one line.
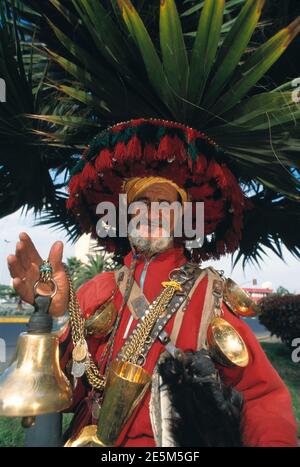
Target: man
{"points": [[128, 159]]}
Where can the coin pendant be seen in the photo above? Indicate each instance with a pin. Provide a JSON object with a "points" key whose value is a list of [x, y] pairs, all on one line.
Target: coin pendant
{"points": [[79, 352], [78, 369]]}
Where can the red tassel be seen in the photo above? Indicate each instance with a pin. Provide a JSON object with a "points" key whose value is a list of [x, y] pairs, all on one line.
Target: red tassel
{"points": [[89, 174], [71, 202], [75, 184], [120, 150], [149, 153], [166, 149], [134, 148], [103, 161], [179, 149]]}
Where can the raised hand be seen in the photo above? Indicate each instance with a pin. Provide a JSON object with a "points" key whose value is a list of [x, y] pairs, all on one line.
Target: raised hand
{"points": [[24, 269]]}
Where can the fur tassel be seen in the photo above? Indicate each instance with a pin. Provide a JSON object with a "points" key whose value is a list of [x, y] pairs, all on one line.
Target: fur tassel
{"points": [[206, 412]]}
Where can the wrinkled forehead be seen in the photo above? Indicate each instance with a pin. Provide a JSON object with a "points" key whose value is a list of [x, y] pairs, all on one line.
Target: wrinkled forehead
{"points": [[159, 190]]}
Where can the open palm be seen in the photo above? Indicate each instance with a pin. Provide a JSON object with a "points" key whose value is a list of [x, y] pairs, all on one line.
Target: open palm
{"points": [[24, 269]]}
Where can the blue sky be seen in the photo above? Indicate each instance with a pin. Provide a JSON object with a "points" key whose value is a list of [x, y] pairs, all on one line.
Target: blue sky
{"points": [[272, 270]]}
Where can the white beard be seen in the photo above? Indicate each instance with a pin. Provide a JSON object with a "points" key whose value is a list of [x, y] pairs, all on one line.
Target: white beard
{"points": [[150, 246]]}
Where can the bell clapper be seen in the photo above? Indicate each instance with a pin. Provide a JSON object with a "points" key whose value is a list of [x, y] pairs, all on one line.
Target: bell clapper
{"points": [[28, 422]]}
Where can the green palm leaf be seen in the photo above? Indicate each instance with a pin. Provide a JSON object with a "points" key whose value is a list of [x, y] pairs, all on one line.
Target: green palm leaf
{"points": [[205, 47], [173, 48], [151, 60], [233, 48], [256, 66]]}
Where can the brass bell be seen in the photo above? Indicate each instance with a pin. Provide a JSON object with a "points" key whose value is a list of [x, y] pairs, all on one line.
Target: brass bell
{"points": [[33, 383], [225, 344]]}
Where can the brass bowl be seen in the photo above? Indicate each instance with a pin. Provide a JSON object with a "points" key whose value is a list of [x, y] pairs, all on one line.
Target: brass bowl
{"points": [[102, 321], [225, 344], [238, 300]]}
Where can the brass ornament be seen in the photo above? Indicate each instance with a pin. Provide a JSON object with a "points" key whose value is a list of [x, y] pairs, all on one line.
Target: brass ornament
{"points": [[33, 383], [101, 323], [238, 300], [224, 343], [80, 351], [87, 437], [125, 388]]}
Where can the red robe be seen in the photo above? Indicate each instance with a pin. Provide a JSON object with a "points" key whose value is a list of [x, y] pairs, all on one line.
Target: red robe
{"points": [[267, 419]]}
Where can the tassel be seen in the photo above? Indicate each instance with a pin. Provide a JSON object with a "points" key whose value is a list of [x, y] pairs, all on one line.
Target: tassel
{"points": [[119, 153], [75, 184], [103, 161], [166, 149], [149, 153], [134, 148], [89, 174]]}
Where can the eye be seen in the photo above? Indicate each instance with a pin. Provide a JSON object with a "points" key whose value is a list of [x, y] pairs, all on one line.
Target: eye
{"points": [[164, 204]]}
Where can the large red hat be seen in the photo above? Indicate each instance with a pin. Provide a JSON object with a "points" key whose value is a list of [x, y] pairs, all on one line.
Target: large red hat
{"points": [[152, 147]]}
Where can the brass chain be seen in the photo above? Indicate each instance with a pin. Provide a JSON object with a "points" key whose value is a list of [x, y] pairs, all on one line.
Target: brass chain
{"points": [[132, 350], [77, 321]]}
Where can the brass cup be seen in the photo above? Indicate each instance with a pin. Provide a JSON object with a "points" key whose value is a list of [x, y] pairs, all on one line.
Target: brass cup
{"points": [[101, 323], [238, 300], [225, 344], [125, 388]]}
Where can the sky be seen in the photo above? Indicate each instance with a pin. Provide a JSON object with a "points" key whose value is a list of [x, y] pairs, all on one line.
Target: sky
{"points": [[274, 270]]}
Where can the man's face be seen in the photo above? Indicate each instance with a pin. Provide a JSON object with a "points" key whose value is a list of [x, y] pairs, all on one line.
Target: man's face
{"points": [[158, 193], [154, 236]]}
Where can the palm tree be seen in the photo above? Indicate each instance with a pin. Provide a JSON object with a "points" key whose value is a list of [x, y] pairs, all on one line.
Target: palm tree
{"points": [[95, 265], [77, 66]]}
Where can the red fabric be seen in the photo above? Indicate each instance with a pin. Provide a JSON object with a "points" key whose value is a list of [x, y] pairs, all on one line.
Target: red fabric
{"points": [[268, 418]]}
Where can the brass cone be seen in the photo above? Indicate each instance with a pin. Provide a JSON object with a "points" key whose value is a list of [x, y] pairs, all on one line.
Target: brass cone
{"points": [[225, 344], [125, 388], [33, 383]]}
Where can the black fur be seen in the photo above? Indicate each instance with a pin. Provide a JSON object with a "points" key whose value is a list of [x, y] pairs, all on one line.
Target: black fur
{"points": [[208, 412]]}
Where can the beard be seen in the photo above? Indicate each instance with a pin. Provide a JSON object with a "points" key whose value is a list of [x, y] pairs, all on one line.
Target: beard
{"points": [[150, 246]]}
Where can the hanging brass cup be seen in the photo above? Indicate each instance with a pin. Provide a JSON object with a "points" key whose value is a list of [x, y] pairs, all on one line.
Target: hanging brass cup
{"points": [[125, 388], [102, 321], [225, 344], [238, 300]]}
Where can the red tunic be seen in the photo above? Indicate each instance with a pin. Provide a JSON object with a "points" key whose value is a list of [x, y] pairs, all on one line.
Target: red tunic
{"points": [[268, 418]]}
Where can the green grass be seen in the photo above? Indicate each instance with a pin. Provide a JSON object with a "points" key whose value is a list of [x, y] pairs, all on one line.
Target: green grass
{"points": [[12, 434], [280, 357]]}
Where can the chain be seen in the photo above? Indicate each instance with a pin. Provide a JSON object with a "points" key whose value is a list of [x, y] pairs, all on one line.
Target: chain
{"points": [[132, 351], [95, 379]]}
